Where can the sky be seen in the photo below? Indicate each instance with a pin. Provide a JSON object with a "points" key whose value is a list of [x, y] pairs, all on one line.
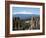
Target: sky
{"points": [[25, 12]]}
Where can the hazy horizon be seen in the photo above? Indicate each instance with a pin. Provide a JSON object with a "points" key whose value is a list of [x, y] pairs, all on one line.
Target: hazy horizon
{"points": [[25, 16]]}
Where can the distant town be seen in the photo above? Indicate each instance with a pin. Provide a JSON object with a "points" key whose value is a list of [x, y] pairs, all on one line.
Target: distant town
{"points": [[32, 23]]}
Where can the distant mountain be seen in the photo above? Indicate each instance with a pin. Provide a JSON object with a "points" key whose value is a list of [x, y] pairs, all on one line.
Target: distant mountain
{"points": [[25, 16]]}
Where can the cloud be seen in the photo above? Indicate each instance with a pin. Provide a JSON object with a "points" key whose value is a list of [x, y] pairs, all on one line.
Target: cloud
{"points": [[26, 13], [22, 13]]}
